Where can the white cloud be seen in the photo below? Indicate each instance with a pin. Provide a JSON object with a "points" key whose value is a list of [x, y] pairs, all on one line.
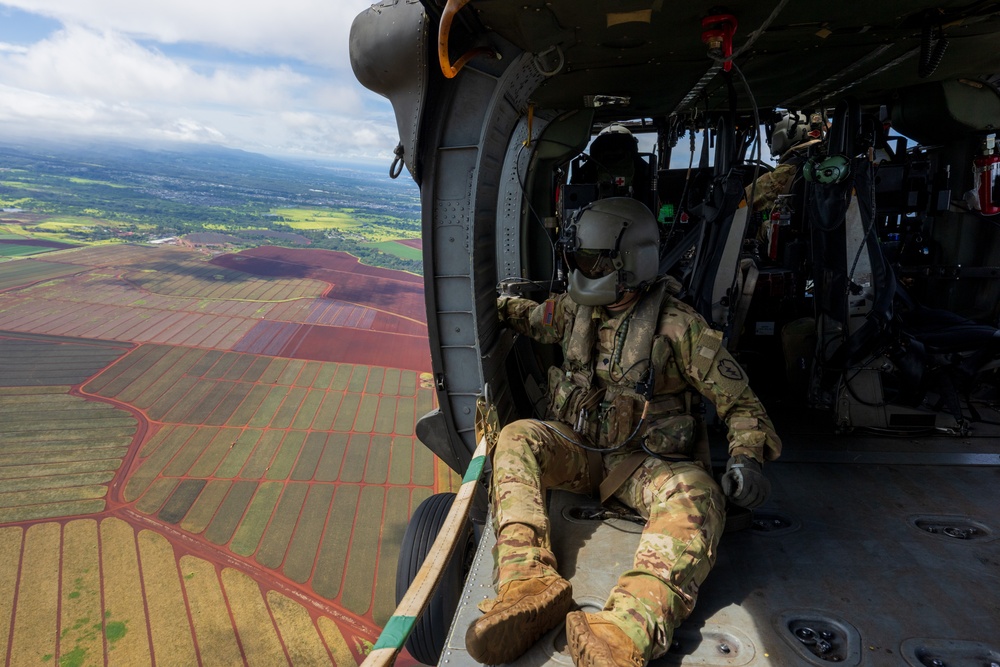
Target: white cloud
{"points": [[107, 65], [111, 71], [50, 115], [313, 31]]}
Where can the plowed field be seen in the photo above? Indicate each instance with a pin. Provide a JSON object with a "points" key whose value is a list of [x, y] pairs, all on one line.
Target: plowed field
{"points": [[238, 499], [174, 296], [392, 291]]}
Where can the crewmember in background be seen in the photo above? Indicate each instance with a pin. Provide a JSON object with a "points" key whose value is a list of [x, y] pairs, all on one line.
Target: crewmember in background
{"points": [[790, 142], [615, 165], [635, 358]]}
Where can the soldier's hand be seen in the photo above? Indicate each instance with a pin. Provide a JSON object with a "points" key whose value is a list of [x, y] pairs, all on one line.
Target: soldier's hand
{"points": [[744, 482]]}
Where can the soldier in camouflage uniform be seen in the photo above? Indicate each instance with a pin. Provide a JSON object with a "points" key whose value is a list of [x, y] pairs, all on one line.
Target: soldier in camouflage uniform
{"points": [[790, 141], [633, 358]]}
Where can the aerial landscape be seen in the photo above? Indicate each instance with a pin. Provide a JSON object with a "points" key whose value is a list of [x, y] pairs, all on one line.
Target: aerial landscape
{"points": [[208, 406], [341, 334]]}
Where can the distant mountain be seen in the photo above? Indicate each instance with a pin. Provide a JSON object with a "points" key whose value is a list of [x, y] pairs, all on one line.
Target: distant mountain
{"points": [[217, 176]]}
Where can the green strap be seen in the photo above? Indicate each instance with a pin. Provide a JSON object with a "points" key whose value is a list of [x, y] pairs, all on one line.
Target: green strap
{"points": [[395, 632], [474, 470]]}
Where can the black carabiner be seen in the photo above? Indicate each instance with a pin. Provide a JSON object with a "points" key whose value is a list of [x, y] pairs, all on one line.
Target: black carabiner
{"points": [[396, 168]]}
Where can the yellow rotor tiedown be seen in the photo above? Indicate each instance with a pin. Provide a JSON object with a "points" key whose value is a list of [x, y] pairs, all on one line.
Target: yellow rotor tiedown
{"points": [[444, 31]]}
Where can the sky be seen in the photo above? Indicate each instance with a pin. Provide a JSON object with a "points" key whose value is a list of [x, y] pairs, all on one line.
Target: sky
{"points": [[267, 77]]}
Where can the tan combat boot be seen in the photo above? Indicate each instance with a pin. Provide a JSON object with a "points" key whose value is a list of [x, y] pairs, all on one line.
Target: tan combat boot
{"points": [[522, 612], [595, 641]]}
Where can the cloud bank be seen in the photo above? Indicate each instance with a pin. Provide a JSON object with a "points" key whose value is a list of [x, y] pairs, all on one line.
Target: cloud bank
{"points": [[261, 77]]}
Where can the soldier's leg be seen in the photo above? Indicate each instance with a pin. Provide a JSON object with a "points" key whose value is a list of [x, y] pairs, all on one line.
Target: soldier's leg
{"points": [[684, 507], [531, 596], [530, 457]]}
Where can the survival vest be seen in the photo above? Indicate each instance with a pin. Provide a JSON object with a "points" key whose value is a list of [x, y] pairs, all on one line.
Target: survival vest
{"points": [[609, 416]]}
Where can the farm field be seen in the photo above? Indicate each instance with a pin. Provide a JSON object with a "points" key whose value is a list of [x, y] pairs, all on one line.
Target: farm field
{"points": [[203, 464], [65, 228], [388, 291], [395, 247], [267, 300], [18, 250], [374, 229]]}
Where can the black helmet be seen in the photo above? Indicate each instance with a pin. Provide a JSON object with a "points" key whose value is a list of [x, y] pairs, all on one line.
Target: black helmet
{"points": [[612, 246]]}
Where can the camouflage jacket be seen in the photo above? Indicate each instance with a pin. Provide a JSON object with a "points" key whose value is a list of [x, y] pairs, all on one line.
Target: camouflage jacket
{"points": [[686, 354], [767, 187]]}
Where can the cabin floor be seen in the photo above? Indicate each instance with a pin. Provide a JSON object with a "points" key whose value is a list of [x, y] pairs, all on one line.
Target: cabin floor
{"points": [[871, 550]]}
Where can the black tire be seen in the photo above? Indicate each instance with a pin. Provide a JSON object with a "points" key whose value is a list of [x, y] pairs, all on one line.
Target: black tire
{"points": [[427, 640]]}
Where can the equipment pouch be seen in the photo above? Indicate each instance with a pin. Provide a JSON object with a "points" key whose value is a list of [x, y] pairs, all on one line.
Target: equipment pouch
{"points": [[570, 393], [617, 414], [564, 393], [672, 436]]}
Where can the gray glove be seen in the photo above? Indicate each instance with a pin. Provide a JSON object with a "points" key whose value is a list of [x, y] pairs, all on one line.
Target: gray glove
{"points": [[744, 483]]}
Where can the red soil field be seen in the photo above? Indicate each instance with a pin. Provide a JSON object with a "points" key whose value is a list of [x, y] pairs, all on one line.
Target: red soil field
{"points": [[413, 243], [328, 259], [357, 346], [389, 323], [383, 289]]}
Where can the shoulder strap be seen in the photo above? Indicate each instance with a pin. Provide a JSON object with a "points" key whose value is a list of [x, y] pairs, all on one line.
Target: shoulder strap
{"points": [[642, 327], [580, 348]]}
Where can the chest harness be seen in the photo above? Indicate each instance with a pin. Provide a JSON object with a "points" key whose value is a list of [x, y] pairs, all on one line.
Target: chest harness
{"points": [[631, 355]]}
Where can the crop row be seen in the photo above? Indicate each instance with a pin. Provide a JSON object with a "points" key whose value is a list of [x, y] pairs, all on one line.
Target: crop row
{"points": [[95, 288], [124, 323], [59, 452], [186, 385], [153, 604], [123, 254], [258, 454], [14, 274], [39, 361], [341, 539]]}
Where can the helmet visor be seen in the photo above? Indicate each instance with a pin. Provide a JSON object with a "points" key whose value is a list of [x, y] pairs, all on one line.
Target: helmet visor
{"points": [[592, 263]]}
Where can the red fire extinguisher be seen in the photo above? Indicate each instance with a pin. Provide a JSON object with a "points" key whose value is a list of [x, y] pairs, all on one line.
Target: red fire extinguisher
{"points": [[987, 168]]}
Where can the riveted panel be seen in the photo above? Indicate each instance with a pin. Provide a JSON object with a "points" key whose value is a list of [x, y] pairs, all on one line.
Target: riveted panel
{"points": [[465, 119], [451, 246], [458, 164], [457, 329]]}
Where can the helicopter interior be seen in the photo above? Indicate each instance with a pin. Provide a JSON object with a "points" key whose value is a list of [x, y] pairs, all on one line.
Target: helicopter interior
{"points": [[865, 299], [842, 284], [865, 290]]}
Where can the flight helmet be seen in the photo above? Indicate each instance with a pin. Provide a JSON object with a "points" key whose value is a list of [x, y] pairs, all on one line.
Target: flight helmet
{"points": [[791, 130], [615, 128], [611, 247]]}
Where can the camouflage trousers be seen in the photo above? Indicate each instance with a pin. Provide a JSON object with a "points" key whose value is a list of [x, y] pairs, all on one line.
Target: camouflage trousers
{"points": [[683, 506]]}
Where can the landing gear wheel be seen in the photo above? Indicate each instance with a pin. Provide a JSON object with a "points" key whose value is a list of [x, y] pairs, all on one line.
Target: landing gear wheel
{"points": [[431, 630]]}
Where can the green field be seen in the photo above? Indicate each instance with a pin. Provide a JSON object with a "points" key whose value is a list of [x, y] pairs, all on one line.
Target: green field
{"points": [[59, 452], [374, 230], [16, 232], [310, 218], [12, 250], [399, 250], [71, 228]]}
